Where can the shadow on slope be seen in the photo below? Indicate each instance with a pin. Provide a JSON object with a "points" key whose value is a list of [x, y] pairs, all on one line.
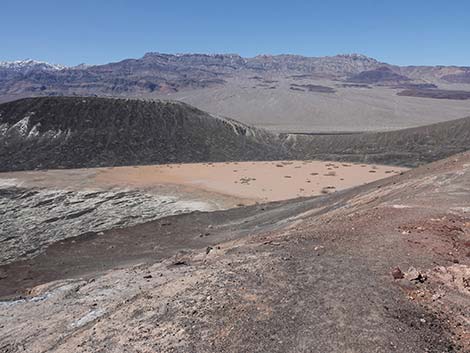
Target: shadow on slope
{"points": [[408, 147]]}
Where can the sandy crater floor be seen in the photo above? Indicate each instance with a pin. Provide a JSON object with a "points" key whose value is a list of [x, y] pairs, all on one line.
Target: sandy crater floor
{"points": [[239, 181], [254, 181]]}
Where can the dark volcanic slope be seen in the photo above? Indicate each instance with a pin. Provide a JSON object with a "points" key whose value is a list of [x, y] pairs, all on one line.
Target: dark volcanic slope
{"points": [[65, 132], [408, 147], [435, 93], [380, 75], [78, 132]]}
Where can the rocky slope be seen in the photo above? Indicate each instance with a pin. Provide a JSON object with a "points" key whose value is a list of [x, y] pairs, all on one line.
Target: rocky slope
{"points": [[379, 268], [33, 218]]}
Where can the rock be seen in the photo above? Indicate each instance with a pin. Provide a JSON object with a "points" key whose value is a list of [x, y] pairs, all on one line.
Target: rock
{"points": [[397, 273], [180, 263], [32, 218], [414, 275]]}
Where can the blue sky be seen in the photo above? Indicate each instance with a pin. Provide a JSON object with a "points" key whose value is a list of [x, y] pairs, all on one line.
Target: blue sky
{"points": [[424, 32]]}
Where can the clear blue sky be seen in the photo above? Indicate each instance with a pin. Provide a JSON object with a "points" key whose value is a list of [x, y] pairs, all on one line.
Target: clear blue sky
{"points": [[99, 31]]}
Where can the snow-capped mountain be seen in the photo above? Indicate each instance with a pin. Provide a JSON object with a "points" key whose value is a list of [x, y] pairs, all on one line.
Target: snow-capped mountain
{"points": [[29, 65]]}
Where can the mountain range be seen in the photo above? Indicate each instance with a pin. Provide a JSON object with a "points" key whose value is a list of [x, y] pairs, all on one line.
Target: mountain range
{"points": [[166, 72]]}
